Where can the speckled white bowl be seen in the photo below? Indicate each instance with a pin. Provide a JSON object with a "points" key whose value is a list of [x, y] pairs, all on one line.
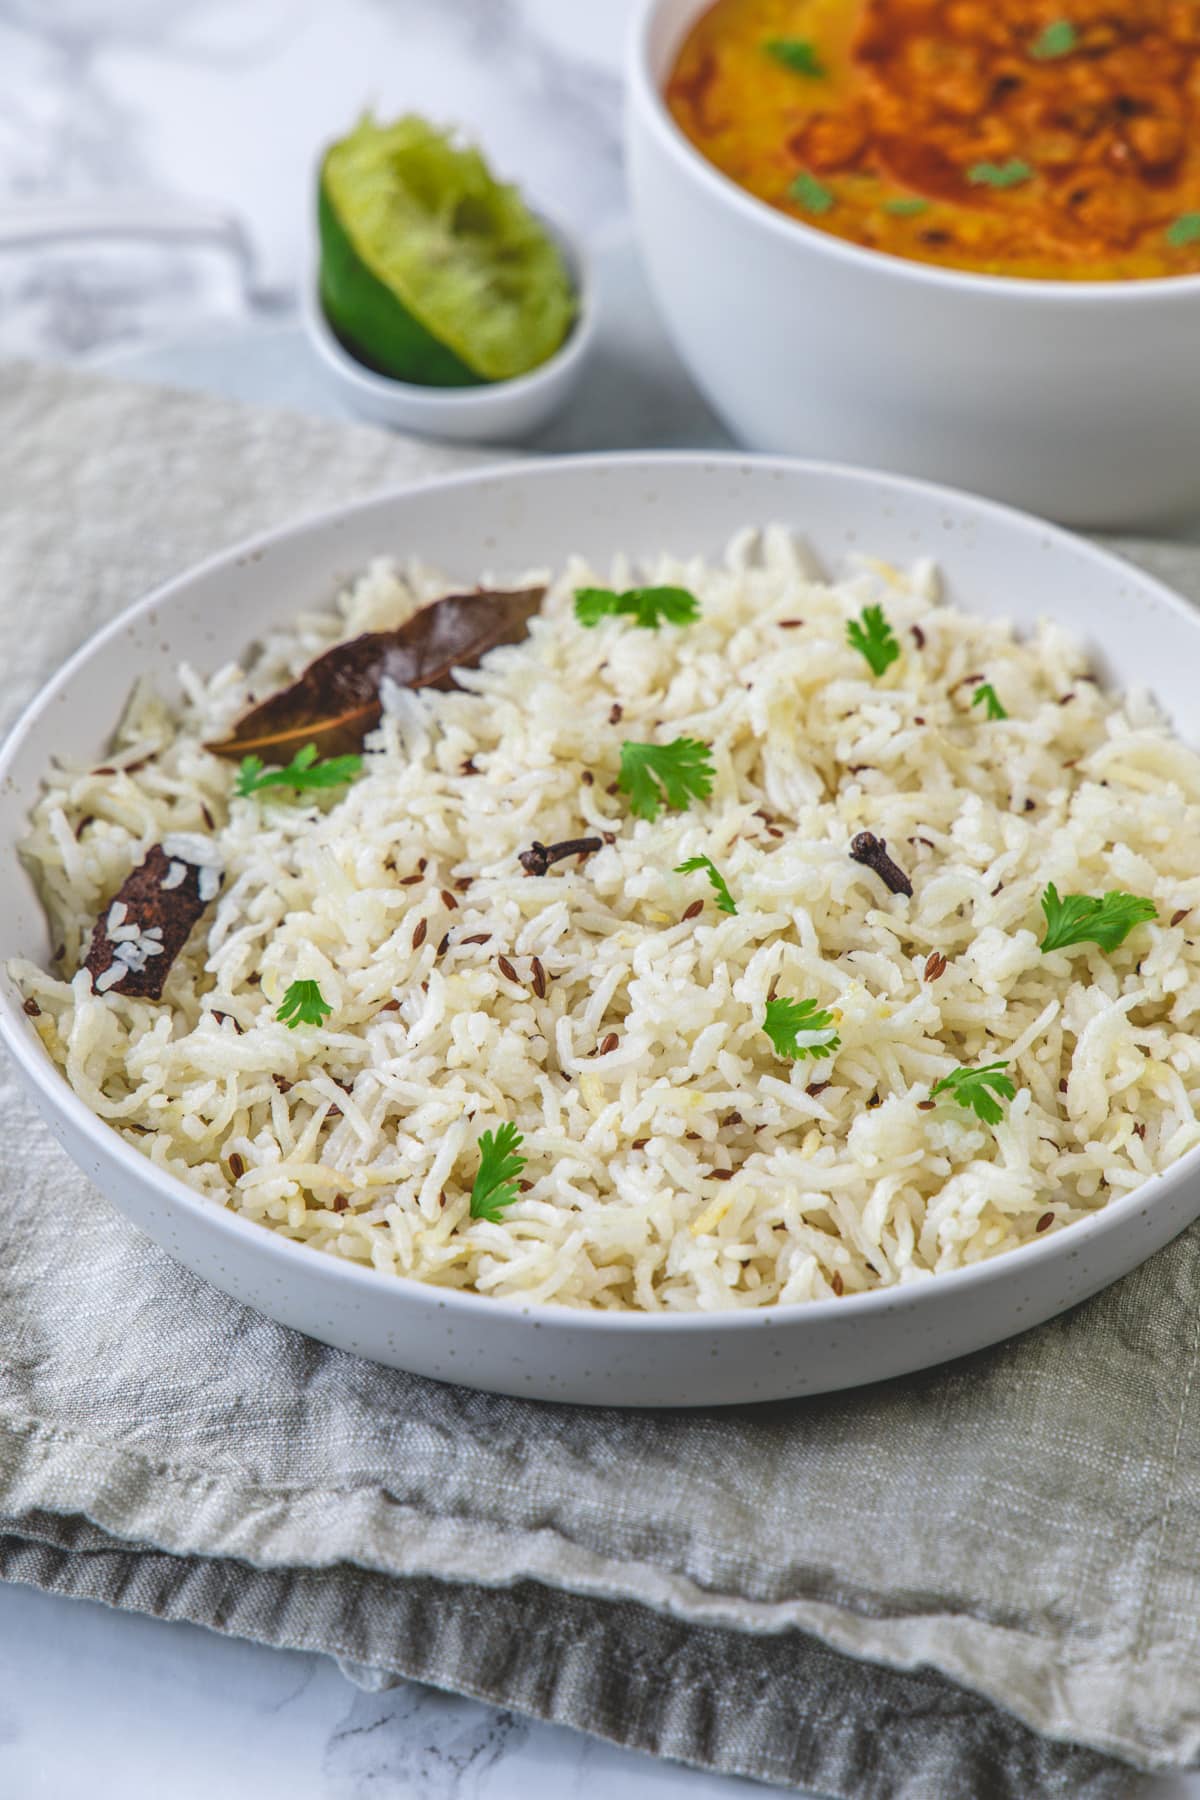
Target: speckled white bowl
{"points": [[504, 520]]}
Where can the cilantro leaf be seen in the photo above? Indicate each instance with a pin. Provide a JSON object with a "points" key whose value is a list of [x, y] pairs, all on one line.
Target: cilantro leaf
{"points": [[303, 1004], [302, 773], [999, 175], [986, 693], [1058, 39], [495, 1184], [715, 880], [682, 768], [796, 54], [648, 605], [970, 1088], [810, 193], [1184, 230], [1083, 918], [909, 207], [874, 637], [787, 1021]]}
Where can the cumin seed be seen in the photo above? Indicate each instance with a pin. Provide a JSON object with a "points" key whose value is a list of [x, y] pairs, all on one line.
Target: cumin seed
{"points": [[506, 968], [616, 713], [611, 788], [419, 930], [639, 1143], [693, 911], [340, 1203], [537, 976], [1066, 700], [208, 818], [1178, 917], [733, 1118], [837, 1284], [284, 1085], [926, 1105], [443, 946], [790, 624], [237, 1167], [448, 900], [816, 1087], [87, 819], [723, 1174], [480, 937], [587, 778], [31, 1009], [1139, 1130], [409, 880], [918, 637], [390, 1006], [935, 965], [1062, 1086], [609, 1044], [1045, 1222], [773, 831]]}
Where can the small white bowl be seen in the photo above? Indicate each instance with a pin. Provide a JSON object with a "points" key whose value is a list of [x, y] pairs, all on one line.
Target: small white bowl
{"points": [[498, 412], [1078, 400]]}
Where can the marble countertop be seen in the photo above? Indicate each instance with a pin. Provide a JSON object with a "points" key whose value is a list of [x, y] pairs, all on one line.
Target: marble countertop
{"points": [[215, 105]]}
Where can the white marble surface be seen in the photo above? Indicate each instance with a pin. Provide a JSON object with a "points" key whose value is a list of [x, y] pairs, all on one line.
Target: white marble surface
{"points": [[222, 105]]}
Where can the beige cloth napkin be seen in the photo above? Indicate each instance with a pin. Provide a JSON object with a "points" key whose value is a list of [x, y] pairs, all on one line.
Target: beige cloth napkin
{"points": [[980, 1581]]}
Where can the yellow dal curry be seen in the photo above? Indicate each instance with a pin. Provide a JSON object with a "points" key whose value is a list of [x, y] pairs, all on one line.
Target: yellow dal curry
{"points": [[1054, 139]]}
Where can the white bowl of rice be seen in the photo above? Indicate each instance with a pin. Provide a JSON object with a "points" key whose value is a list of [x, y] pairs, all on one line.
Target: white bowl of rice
{"points": [[775, 1124]]}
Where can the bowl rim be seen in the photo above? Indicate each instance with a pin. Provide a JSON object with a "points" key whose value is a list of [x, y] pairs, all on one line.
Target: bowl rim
{"points": [[643, 90], [484, 395], [104, 1140]]}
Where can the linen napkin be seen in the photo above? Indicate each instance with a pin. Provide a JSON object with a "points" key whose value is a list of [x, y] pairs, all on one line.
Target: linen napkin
{"points": [[977, 1582]]}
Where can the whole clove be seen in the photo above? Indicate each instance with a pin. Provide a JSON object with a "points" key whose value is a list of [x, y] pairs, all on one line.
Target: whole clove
{"points": [[537, 859], [866, 848]]}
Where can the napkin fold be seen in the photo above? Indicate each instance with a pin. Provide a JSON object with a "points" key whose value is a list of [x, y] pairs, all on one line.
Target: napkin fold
{"points": [[976, 1582]]}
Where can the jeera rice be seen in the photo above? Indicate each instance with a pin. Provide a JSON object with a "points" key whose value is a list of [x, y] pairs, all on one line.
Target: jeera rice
{"points": [[674, 1159]]}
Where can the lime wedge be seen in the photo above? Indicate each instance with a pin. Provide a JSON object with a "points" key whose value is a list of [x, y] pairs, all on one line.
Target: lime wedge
{"points": [[431, 270]]}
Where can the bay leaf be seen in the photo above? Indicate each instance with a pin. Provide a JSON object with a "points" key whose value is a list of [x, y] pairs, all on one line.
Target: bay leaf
{"points": [[336, 701]]}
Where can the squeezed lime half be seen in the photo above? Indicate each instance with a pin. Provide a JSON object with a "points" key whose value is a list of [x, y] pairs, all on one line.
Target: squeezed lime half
{"points": [[432, 271]]}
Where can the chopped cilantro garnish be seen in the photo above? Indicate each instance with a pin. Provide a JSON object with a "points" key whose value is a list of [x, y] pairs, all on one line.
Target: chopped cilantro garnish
{"points": [[303, 1004], [908, 208], [986, 695], [654, 775], [810, 193], [1083, 918], [1184, 230], [999, 175], [648, 605], [715, 880], [796, 54], [302, 773], [871, 634], [970, 1088], [1058, 39], [495, 1184], [787, 1022]]}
